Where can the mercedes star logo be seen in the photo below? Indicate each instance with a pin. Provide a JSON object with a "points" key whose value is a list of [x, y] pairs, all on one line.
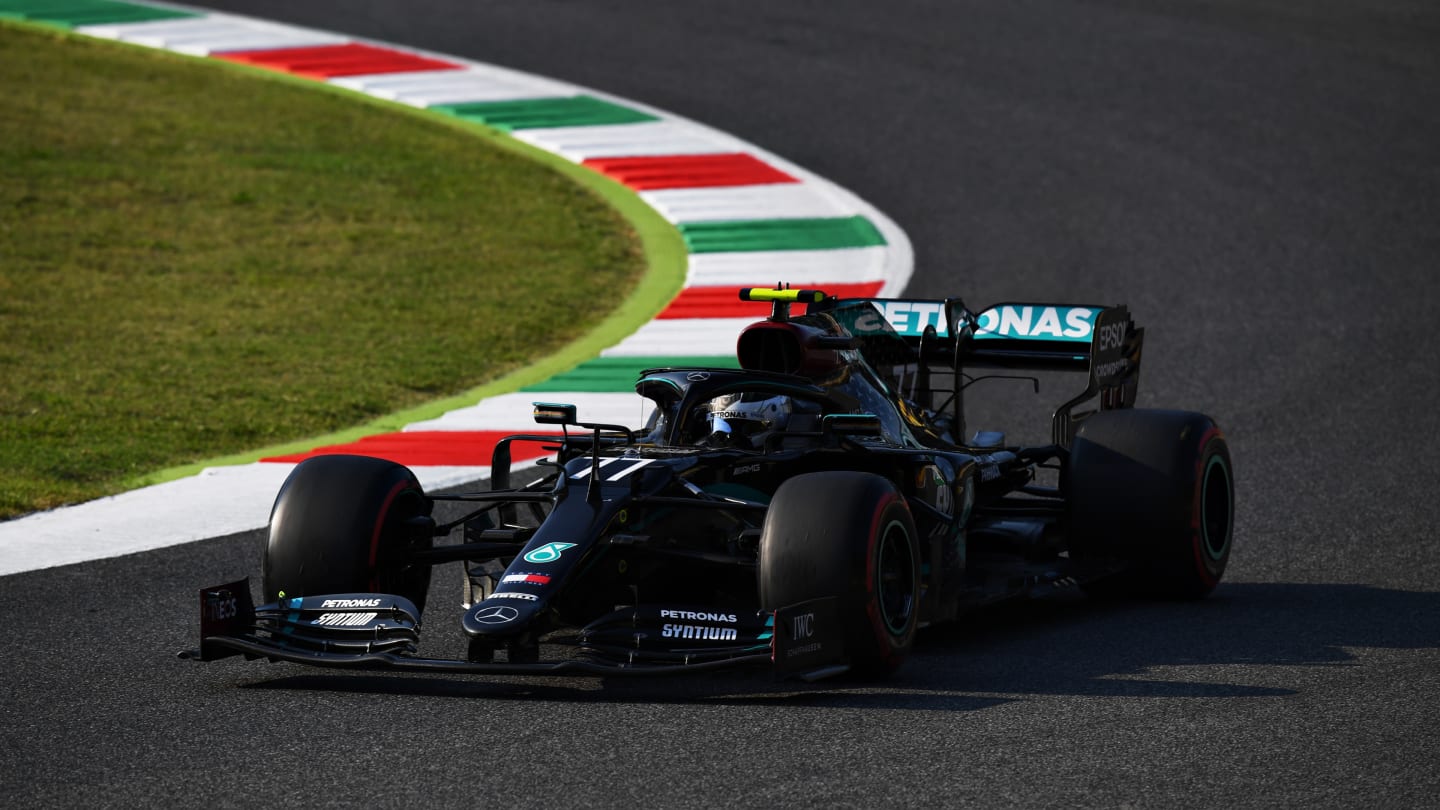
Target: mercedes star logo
{"points": [[697, 376], [496, 614]]}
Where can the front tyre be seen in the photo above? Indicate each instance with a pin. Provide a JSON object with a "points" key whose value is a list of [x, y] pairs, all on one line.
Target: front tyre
{"points": [[1154, 490], [848, 535], [342, 524]]}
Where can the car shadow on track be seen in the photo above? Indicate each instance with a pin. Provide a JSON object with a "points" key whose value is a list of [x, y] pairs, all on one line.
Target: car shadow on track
{"points": [[712, 689], [1064, 646], [1173, 649]]}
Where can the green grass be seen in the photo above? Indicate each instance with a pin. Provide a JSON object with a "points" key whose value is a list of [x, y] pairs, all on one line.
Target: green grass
{"points": [[197, 261]]}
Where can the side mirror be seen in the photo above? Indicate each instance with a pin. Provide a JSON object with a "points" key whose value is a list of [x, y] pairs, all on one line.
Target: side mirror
{"points": [[550, 413], [851, 425]]}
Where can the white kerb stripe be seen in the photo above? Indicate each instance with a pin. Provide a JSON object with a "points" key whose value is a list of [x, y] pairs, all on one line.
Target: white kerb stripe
{"points": [[771, 201], [799, 268], [219, 501], [643, 139], [163, 29], [206, 35], [691, 337], [469, 84]]}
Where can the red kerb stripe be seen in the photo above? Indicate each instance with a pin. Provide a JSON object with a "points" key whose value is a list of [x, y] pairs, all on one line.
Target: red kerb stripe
{"points": [[689, 171], [724, 302], [428, 448], [325, 61]]}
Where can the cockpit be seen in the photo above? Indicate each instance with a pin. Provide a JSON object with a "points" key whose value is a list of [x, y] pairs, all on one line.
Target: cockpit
{"points": [[794, 372]]}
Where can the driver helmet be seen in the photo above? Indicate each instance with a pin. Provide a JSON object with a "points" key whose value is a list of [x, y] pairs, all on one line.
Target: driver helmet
{"points": [[741, 419]]}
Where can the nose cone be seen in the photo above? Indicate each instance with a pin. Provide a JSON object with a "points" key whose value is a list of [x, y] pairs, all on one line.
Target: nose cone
{"points": [[499, 616]]}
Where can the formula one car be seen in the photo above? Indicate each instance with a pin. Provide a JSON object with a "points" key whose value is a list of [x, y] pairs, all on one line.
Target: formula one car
{"points": [[807, 512]]}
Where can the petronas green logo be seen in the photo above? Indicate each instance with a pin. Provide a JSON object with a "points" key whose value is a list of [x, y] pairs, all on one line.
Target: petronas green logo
{"points": [[550, 552]]}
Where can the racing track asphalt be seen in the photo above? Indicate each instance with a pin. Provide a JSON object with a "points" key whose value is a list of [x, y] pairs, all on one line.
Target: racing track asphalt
{"points": [[1257, 180]]}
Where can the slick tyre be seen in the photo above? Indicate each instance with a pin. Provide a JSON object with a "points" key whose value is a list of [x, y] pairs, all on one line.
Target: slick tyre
{"points": [[1153, 490], [848, 535], [341, 524]]}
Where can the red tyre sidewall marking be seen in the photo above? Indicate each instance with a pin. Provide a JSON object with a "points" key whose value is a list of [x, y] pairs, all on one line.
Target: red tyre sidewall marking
{"points": [[872, 577], [1196, 515]]}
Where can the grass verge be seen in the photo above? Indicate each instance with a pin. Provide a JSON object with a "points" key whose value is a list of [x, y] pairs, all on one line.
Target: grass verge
{"points": [[196, 261]]}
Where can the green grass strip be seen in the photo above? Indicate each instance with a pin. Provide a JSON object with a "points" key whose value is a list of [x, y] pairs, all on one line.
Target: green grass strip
{"points": [[71, 13], [781, 234], [156, 191], [618, 374], [539, 113]]}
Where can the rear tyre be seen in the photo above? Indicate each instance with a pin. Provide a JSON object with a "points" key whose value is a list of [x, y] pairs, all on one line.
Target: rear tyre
{"points": [[848, 535], [1154, 490], [341, 524]]}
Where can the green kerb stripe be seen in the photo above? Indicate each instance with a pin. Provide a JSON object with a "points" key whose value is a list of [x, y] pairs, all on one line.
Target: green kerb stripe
{"points": [[780, 234], [611, 375], [539, 113], [71, 13]]}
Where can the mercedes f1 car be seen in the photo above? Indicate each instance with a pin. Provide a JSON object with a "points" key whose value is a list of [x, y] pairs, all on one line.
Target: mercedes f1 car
{"points": [[807, 511]]}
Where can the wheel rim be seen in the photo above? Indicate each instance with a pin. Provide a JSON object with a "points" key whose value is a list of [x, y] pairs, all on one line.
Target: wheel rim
{"points": [[895, 578], [1216, 508]]}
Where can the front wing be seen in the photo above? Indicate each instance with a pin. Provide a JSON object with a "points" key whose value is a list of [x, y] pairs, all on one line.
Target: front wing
{"points": [[380, 632]]}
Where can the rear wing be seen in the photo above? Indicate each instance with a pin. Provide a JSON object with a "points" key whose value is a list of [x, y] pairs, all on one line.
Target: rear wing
{"points": [[1099, 340]]}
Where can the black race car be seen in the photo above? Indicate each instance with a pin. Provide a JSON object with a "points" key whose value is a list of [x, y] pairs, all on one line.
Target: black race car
{"points": [[808, 511]]}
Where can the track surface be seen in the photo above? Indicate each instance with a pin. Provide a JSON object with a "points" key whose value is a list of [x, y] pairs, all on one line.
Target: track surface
{"points": [[1260, 181]]}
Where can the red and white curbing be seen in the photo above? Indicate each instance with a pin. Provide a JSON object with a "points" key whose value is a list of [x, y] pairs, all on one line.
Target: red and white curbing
{"points": [[226, 500]]}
